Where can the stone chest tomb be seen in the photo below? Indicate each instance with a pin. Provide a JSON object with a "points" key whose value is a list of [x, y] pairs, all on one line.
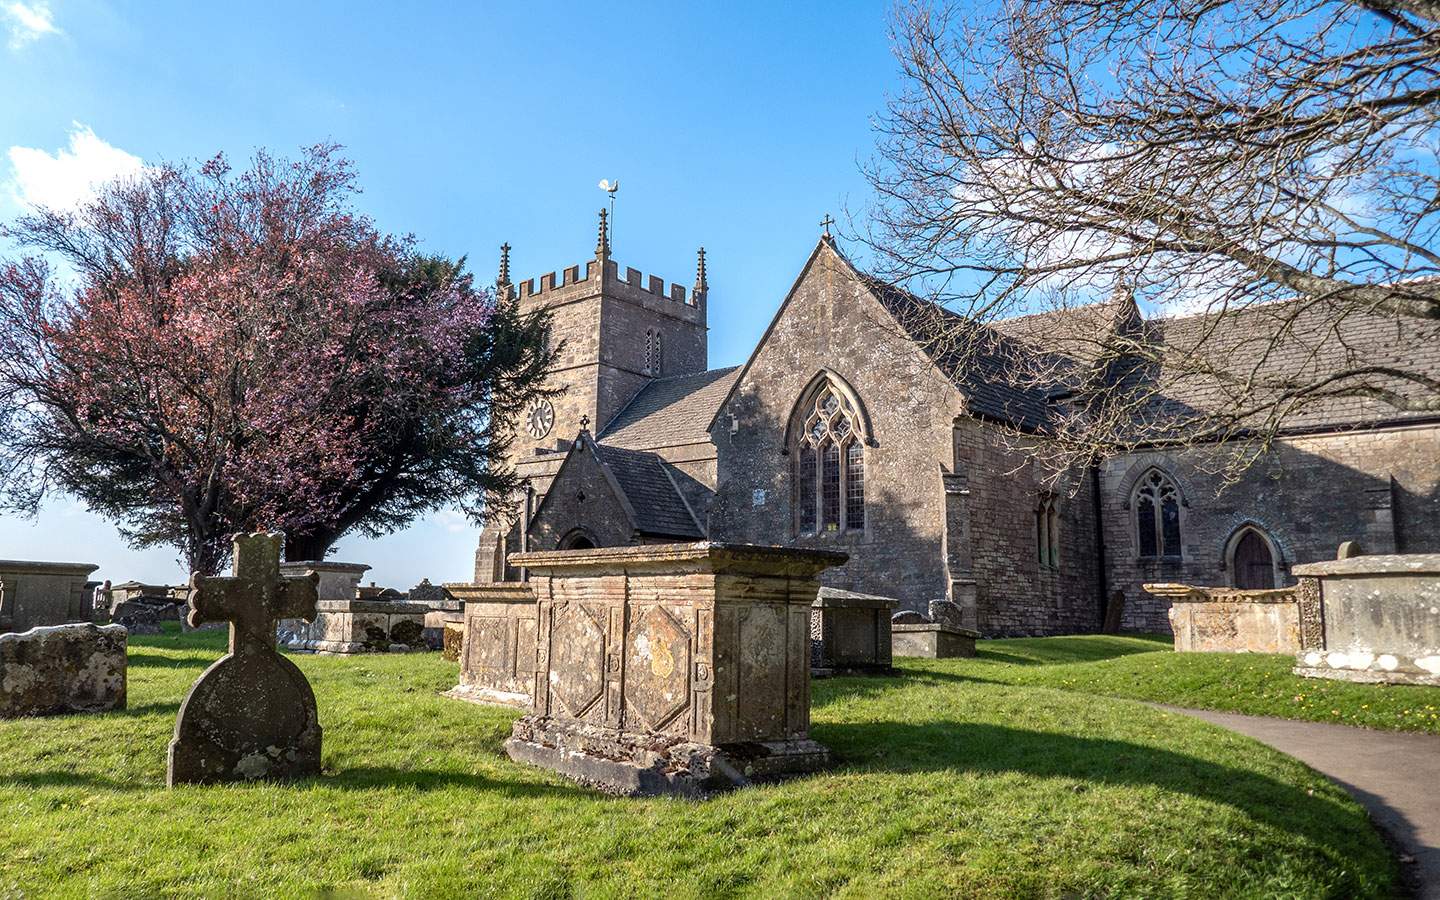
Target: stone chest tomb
{"points": [[850, 632], [36, 594], [672, 669], [497, 654], [1228, 620], [1371, 618]]}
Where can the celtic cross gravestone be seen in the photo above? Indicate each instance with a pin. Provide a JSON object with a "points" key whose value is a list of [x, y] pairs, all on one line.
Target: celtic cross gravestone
{"points": [[252, 714]]}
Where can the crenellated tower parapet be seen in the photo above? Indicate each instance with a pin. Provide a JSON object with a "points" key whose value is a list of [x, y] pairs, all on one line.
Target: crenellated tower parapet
{"points": [[616, 333]]}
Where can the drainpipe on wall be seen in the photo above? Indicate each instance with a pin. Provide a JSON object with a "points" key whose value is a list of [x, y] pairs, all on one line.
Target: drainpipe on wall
{"points": [[1102, 582]]}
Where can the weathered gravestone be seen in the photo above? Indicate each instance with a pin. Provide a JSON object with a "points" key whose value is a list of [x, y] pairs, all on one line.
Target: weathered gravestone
{"points": [[59, 669], [1230, 620], [850, 632], [1370, 618], [34, 594], [251, 714]]}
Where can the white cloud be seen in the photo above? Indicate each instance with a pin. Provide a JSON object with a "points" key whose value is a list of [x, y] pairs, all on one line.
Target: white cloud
{"points": [[28, 21], [70, 177], [451, 520]]}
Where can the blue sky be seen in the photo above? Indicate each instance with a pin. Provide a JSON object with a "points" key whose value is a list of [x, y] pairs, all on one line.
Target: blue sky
{"points": [[734, 126]]}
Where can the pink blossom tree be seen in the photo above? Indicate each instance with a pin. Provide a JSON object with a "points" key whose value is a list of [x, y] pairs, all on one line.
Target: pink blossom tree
{"points": [[244, 352]]}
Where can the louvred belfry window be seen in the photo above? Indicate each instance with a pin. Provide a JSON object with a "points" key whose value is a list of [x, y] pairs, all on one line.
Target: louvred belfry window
{"points": [[830, 467]]}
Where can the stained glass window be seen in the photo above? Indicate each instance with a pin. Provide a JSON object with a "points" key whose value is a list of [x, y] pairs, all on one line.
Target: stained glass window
{"points": [[830, 485], [807, 488], [1047, 532]]}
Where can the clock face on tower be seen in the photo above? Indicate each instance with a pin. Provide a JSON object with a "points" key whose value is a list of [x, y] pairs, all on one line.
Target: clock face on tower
{"points": [[540, 418]]}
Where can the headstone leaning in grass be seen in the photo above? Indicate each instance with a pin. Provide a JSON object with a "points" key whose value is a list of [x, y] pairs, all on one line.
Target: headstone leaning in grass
{"points": [[252, 714]]}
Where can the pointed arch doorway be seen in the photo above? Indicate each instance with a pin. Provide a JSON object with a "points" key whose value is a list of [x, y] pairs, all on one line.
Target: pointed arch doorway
{"points": [[1253, 562]]}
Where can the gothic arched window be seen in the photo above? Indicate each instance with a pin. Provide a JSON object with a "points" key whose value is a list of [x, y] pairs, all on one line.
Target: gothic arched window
{"points": [[1047, 531], [829, 466], [654, 352], [1156, 502]]}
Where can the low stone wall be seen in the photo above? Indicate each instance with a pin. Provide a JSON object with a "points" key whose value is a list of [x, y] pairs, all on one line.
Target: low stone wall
{"points": [[1371, 618], [673, 668], [37, 594], [1223, 620], [60, 669], [497, 654]]}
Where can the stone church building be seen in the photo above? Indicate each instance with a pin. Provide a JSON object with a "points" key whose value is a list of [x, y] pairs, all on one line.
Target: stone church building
{"points": [[845, 430]]}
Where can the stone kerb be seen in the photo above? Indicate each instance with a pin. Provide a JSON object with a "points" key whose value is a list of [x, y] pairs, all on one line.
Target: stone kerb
{"points": [[497, 654], [1230, 620], [58, 669], [35, 594], [850, 632], [1371, 618], [673, 668]]}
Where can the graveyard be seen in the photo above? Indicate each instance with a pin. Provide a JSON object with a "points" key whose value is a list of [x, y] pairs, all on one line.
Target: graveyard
{"points": [[1020, 773]]}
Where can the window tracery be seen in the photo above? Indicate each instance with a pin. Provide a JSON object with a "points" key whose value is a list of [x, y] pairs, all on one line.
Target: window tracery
{"points": [[830, 466], [1156, 502]]}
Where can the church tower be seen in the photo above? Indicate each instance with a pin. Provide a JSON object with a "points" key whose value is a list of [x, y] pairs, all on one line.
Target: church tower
{"points": [[615, 335], [618, 335]]}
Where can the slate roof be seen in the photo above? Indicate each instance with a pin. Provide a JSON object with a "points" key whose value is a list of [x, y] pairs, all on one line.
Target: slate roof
{"points": [[670, 411], [1072, 346], [659, 508], [976, 358], [1315, 339]]}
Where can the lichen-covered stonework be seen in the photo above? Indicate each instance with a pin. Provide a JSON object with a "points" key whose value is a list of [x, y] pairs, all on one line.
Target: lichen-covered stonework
{"points": [[681, 668], [59, 669]]}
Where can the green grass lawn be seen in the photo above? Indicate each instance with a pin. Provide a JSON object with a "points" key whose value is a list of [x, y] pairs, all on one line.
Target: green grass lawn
{"points": [[952, 781], [1146, 668]]}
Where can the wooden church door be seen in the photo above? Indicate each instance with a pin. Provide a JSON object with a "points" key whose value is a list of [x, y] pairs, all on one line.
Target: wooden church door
{"points": [[1254, 566]]}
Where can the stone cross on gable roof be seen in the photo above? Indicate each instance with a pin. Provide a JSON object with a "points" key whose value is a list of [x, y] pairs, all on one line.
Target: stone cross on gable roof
{"points": [[255, 597]]}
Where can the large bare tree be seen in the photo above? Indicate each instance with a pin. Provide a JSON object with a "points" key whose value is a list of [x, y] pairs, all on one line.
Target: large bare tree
{"points": [[1258, 178]]}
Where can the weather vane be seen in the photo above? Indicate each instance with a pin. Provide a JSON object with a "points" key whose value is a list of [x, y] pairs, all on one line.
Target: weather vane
{"points": [[611, 186]]}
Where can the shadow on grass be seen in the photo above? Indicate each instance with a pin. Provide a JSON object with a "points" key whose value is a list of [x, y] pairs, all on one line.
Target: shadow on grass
{"points": [[359, 778], [984, 749], [68, 780], [1076, 648], [824, 691], [367, 778]]}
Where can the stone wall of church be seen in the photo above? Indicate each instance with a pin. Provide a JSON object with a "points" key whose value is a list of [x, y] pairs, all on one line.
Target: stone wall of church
{"points": [[831, 323], [682, 345], [588, 503], [1379, 487], [1016, 593]]}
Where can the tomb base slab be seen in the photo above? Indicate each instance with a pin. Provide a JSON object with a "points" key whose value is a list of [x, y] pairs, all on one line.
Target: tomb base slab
{"points": [[651, 765]]}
